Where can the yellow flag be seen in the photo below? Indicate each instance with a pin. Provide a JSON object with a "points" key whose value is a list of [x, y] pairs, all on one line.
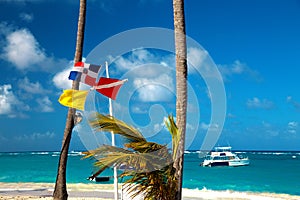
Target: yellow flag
{"points": [[73, 98]]}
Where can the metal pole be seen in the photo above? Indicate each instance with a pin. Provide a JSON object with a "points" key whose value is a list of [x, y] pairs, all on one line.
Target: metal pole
{"points": [[113, 143]]}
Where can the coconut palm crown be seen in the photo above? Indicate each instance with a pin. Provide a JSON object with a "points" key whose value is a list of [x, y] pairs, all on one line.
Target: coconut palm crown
{"points": [[149, 166]]}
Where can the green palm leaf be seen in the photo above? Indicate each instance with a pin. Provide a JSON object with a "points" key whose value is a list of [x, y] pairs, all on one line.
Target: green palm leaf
{"points": [[150, 165], [158, 184], [104, 123], [171, 125], [109, 156]]}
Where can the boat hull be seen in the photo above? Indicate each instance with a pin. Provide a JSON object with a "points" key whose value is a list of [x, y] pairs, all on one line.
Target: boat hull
{"points": [[237, 163], [226, 163], [216, 164]]}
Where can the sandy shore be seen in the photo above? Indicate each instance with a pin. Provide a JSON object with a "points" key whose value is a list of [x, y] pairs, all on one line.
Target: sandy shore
{"points": [[43, 191]]}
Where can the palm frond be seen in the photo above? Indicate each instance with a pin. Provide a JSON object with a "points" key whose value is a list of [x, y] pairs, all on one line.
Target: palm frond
{"points": [[108, 156], [150, 165], [104, 151], [171, 125], [105, 123], [157, 184], [144, 146]]}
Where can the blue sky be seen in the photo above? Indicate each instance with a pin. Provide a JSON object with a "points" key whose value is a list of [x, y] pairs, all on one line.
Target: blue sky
{"points": [[254, 44]]}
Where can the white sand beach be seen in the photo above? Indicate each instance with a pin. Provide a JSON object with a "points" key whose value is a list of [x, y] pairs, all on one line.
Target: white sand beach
{"points": [[32, 191]]}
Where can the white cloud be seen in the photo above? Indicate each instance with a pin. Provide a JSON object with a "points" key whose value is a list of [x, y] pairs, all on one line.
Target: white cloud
{"points": [[5, 29], [158, 127], [125, 64], [256, 103], [10, 105], [44, 104], [294, 103], [204, 126], [61, 80], [196, 56], [153, 93], [154, 89], [269, 130], [292, 131], [142, 55], [192, 108], [136, 58], [200, 63], [137, 109], [35, 136], [238, 68], [152, 75], [190, 127], [266, 124], [23, 50], [272, 133], [292, 127], [32, 88], [230, 115], [6, 99], [26, 17]]}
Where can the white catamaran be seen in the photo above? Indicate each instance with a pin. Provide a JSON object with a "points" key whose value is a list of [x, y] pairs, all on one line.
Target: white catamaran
{"points": [[222, 156]]}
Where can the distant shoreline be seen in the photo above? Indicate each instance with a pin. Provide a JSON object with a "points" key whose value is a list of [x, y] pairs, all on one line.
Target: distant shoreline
{"points": [[105, 191]]}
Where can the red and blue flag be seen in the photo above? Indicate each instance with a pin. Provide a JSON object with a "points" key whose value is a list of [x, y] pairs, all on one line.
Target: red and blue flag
{"points": [[85, 73]]}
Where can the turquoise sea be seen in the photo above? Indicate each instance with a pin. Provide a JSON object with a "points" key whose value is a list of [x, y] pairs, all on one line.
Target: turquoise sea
{"points": [[273, 172]]}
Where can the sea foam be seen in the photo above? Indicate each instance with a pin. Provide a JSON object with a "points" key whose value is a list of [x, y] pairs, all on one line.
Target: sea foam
{"points": [[228, 194]]}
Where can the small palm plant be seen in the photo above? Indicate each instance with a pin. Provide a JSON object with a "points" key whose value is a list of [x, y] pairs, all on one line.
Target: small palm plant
{"points": [[149, 166]]}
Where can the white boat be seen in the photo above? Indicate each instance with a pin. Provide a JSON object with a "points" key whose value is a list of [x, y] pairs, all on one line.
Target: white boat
{"points": [[222, 156]]}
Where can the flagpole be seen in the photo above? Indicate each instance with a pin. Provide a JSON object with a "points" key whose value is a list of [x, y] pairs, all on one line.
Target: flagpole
{"points": [[113, 143]]}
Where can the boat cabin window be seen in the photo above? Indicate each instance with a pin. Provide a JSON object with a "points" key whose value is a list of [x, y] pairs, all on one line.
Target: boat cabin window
{"points": [[222, 154]]}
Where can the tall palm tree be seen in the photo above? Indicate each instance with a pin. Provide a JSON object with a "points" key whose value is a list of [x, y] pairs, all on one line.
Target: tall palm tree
{"points": [[60, 190], [149, 166], [181, 87]]}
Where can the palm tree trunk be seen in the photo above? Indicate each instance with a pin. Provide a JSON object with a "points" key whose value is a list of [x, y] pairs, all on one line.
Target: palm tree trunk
{"points": [[60, 190], [181, 87]]}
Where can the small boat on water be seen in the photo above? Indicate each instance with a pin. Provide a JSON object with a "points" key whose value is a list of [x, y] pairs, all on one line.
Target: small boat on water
{"points": [[99, 179], [223, 156]]}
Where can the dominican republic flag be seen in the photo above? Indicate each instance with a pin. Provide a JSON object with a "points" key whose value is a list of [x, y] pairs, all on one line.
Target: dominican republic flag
{"points": [[109, 87], [85, 73]]}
